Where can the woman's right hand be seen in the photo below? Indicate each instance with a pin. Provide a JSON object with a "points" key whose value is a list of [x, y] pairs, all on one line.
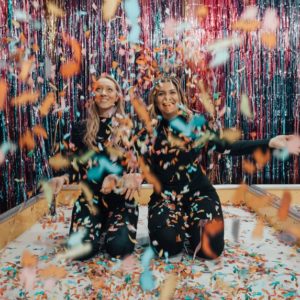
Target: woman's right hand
{"points": [[58, 182]]}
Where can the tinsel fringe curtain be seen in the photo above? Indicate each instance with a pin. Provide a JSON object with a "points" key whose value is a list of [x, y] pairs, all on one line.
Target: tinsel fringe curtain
{"points": [[269, 77]]}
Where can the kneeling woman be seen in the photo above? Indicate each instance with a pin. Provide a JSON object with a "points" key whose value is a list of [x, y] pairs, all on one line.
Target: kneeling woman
{"points": [[102, 208], [187, 204]]}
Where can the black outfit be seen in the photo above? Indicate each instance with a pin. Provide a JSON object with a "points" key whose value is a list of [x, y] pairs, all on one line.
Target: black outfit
{"points": [[188, 205], [115, 216]]}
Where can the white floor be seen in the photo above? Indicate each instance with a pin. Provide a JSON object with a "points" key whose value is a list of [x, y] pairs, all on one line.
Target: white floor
{"points": [[248, 268]]}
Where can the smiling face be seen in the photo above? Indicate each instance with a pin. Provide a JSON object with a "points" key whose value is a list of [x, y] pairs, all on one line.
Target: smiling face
{"points": [[167, 99], [106, 94]]}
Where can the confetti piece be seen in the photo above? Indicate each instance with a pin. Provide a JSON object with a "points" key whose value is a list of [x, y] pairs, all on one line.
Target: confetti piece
{"points": [[224, 43], [170, 28], [141, 110], [258, 230], [28, 259], [55, 10], [27, 141], [40, 131], [284, 206], [220, 57], [261, 158], [249, 13], [48, 102], [25, 68], [202, 11], [235, 229], [27, 97], [53, 271], [76, 252], [59, 162], [168, 288], [3, 93], [132, 240], [69, 69], [246, 25], [231, 134], [74, 44], [268, 40], [270, 20], [248, 166], [109, 8], [245, 107]]}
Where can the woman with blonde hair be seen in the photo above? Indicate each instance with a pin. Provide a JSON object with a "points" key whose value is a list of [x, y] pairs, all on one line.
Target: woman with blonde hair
{"points": [[186, 205], [106, 204]]}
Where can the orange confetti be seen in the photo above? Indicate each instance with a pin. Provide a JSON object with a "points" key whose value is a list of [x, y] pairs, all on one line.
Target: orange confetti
{"points": [[49, 100], [74, 44], [28, 259], [246, 25], [268, 40], [231, 134], [53, 271], [3, 93], [206, 248], [202, 11], [248, 166], [35, 48], [283, 211], [69, 69], [149, 177], [40, 131], [87, 34], [258, 230], [27, 97], [59, 162], [261, 158], [27, 141], [25, 68], [141, 110]]}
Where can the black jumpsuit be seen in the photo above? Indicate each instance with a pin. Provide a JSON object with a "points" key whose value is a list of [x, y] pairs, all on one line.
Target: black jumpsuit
{"points": [[116, 217], [188, 205]]}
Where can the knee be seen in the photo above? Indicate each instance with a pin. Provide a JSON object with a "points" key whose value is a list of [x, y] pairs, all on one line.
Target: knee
{"points": [[167, 239], [119, 244]]}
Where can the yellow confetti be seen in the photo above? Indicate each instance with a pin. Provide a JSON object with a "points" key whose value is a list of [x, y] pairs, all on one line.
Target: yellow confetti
{"points": [[48, 102], [55, 10], [109, 8], [268, 39], [59, 162], [25, 68], [245, 107], [231, 134]]}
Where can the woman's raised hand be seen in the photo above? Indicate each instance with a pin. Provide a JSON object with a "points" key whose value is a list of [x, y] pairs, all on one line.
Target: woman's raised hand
{"points": [[290, 142]]}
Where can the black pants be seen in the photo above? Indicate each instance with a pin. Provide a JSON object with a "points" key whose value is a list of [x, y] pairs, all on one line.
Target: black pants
{"points": [[197, 216], [112, 215]]}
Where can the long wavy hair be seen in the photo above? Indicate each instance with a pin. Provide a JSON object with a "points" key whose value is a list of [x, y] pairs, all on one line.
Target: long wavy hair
{"points": [[154, 111], [93, 120]]}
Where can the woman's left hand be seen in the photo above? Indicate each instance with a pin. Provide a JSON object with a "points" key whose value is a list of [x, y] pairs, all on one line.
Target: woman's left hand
{"points": [[131, 184], [291, 142]]}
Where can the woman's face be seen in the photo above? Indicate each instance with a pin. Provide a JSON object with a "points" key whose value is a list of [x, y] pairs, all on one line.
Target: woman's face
{"points": [[106, 94], [167, 100]]}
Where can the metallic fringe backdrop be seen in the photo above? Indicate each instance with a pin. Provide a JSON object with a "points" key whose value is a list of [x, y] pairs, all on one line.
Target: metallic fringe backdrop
{"points": [[270, 77]]}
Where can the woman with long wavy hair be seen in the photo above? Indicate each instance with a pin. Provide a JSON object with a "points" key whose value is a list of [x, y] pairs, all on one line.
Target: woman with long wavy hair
{"points": [[185, 204], [106, 204]]}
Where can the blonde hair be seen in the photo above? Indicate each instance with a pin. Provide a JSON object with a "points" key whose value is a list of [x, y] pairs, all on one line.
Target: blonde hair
{"points": [[154, 111], [93, 120]]}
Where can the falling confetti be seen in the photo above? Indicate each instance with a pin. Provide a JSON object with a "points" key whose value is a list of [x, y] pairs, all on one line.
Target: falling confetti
{"points": [[283, 211], [55, 10], [3, 93], [27, 97], [109, 8], [245, 107], [48, 102], [59, 162]]}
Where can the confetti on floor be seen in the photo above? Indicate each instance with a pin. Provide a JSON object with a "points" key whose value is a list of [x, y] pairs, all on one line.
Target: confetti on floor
{"points": [[248, 269]]}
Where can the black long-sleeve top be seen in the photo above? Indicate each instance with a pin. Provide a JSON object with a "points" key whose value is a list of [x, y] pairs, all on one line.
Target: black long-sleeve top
{"points": [[80, 171], [178, 168]]}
